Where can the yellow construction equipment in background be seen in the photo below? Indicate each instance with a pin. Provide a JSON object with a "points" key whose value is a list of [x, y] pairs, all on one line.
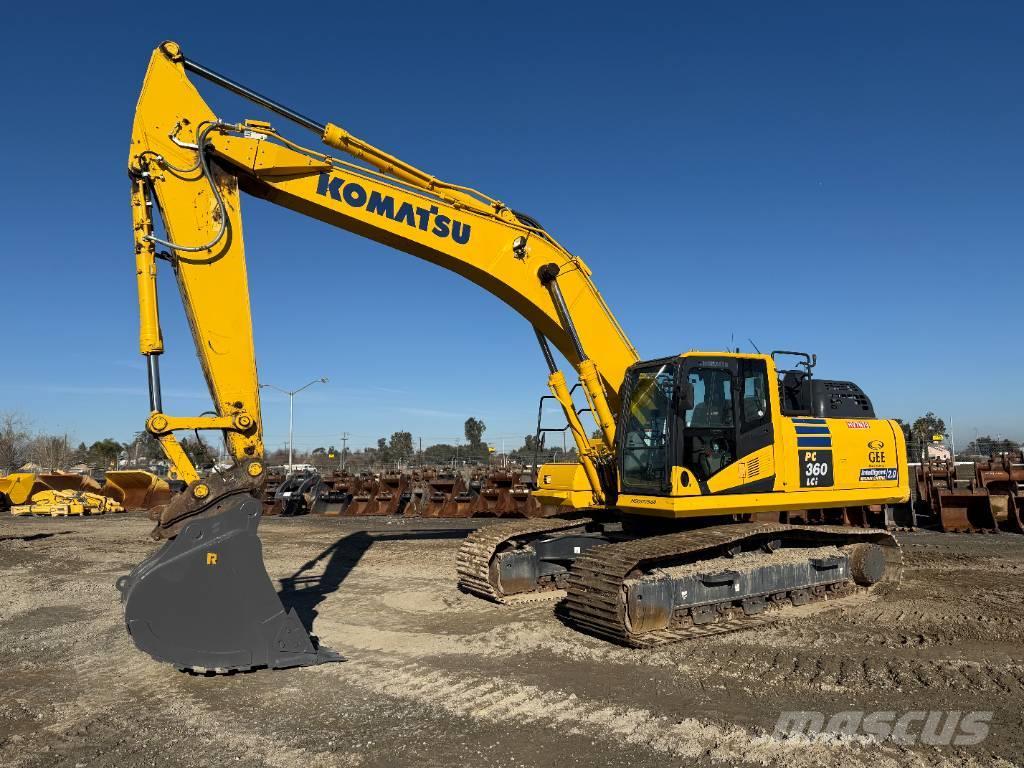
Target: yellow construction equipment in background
{"points": [[65, 503], [61, 493]]}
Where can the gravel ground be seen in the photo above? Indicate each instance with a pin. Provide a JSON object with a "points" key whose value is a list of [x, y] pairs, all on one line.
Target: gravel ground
{"points": [[439, 678]]}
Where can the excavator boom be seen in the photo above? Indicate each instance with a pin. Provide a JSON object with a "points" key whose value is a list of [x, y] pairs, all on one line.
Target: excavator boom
{"points": [[190, 166]]}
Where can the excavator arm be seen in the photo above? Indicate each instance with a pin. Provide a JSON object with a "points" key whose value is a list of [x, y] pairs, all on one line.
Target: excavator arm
{"points": [[204, 600], [193, 166]]}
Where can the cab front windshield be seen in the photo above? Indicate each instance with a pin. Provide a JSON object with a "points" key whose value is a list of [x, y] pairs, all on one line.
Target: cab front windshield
{"points": [[645, 439]]}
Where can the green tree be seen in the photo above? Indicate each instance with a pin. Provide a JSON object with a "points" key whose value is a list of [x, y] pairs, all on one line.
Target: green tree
{"points": [[474, 430], [924, 427], [439, 453], [400, 446], [104, 453]]}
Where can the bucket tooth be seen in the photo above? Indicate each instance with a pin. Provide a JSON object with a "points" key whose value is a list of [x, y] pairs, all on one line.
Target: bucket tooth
{"points": [[204, 601]]}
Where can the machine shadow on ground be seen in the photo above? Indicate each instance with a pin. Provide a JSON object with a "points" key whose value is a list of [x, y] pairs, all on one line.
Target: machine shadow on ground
{"points": [[303, 591]]}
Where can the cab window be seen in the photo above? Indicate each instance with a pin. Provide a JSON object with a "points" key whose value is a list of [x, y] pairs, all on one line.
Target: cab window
{"points": [[645, 437], [755, 395], [712, 399]]}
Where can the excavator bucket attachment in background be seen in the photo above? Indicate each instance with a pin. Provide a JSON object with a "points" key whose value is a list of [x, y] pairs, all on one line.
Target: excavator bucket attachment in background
{"points": [[388, 498], [66, 481], [1003, 479], [461, 505], [525, 503], [18, 488], [953, 504], [271, 483], [136, 489], [440, 499], [338, 495], [966, 510], [365, 501], [204, 601], [495, 496]]}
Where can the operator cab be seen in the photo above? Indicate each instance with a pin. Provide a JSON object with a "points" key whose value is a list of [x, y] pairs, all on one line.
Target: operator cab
{"points": [[704, 411]]}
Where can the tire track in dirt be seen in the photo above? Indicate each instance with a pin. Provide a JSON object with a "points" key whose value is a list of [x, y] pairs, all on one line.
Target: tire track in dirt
{"points": [[145, 678], [777, 665], [501, 699], [157, 692]]}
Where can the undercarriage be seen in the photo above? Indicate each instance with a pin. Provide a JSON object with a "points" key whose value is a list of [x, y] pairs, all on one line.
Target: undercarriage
{"points": [[643, 588]]}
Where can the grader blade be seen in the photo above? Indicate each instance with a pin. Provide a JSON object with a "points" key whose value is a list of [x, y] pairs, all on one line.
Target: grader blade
{"points": [[204, 601]]}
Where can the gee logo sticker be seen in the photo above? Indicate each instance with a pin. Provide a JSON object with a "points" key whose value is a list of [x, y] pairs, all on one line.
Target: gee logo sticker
{"points": [[876, 452]]}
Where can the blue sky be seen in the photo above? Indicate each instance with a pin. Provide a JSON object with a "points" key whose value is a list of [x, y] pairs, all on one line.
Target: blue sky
{"points": [[844, 179]]}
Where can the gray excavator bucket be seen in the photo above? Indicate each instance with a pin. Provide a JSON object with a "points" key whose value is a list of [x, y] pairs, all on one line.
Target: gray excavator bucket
{"points": [[204, 601]]}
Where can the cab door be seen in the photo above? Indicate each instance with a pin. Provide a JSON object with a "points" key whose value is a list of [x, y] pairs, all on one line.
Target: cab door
{"points": [[756, 439], [727, 433]]}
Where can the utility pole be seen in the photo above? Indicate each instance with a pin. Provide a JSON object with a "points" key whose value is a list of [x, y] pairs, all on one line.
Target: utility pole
{"points": [[344, 449]]}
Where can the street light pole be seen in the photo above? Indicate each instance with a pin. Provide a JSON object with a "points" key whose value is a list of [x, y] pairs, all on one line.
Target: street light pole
{"points": [[291, 409], [291, 423]]}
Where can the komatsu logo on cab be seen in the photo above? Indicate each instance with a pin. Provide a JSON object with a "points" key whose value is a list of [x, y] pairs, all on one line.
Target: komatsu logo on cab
{"points": [[426, 219]]}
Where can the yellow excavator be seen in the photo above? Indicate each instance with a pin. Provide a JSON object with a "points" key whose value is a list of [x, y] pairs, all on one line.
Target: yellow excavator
{"points": [[675, 521]]}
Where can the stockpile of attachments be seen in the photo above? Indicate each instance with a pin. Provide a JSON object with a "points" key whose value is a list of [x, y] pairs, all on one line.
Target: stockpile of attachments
{"points": [[985, 496], [431, 492], [60, 494]]}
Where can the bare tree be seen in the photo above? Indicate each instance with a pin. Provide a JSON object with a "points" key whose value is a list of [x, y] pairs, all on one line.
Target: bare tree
{"points": [[14, 440], [50, 451]]}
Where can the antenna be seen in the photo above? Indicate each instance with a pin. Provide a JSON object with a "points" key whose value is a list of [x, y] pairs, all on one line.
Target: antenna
{"points": [[754, 345]]}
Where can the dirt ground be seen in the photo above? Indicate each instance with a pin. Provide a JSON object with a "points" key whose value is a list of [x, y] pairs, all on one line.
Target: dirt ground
{"points": [[439, 678]]}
